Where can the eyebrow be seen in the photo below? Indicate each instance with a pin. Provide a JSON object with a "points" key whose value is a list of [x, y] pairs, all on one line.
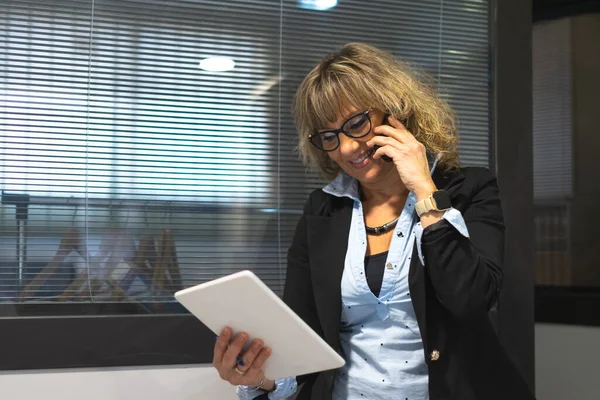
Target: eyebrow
{"points": [[345, 119], [353, 113]]}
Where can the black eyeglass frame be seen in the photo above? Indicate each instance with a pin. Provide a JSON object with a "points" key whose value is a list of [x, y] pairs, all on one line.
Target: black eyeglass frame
{"points": [[341, 130]]}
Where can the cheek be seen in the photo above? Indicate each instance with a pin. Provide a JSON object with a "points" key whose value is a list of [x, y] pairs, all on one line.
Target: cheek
{"points": [[334, 155]]}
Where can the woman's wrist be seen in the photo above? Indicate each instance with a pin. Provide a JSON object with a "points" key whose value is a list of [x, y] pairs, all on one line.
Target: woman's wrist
{"points": [[425, 190], [430, 218], [268, 385]]}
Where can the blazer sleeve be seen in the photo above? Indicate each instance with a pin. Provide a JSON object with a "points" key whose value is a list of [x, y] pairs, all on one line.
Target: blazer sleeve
{"points": [[466, 273], [298, 290]]}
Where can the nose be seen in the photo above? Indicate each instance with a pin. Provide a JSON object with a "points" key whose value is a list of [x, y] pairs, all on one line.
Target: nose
{"points": [[348, 145]]}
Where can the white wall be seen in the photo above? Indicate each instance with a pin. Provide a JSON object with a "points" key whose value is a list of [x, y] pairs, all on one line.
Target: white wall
{"points": [[566, 362], [165, 383], [567, 368]]}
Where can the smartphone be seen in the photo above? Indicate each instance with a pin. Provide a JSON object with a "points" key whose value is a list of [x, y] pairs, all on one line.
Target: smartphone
{"points": [[385, 122]]}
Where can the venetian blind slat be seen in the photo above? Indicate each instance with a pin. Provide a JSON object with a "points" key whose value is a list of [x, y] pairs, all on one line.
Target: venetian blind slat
{"points": [[158, 175]]}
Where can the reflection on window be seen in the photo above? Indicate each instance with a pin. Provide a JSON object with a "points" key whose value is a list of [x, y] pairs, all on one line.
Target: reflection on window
{"points": [[566, 151], [127, 172], [552, 137], [155, 127], [116, 137]]}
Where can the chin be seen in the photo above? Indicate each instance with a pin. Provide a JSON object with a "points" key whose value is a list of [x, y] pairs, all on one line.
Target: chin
{"points": [[370, 174]]}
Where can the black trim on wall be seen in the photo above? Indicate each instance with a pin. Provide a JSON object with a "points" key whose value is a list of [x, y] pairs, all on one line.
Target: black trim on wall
{"points": [[94, 341], [567, 305], [553, 9]]}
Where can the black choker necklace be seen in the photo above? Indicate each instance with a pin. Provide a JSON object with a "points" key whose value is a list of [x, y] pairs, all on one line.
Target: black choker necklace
{"points": [[378, 230]]}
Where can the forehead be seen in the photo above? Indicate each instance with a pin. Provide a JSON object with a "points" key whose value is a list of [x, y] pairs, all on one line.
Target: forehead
{"points": [[345, 111]]}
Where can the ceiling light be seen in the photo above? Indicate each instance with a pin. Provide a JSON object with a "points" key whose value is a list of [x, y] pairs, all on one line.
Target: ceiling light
{"points": [[320, 5], [217, 64]]}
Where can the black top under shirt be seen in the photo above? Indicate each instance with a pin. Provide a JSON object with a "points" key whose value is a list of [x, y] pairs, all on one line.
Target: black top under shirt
{"points": [[374, 269]]}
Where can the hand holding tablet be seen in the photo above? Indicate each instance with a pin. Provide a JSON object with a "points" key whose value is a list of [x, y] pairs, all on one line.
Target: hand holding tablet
{"points": [[240, 367], [285, 346]]}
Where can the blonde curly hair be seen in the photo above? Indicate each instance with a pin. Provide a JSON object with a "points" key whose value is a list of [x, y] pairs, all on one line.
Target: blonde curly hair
{"points": [[368, 77]]}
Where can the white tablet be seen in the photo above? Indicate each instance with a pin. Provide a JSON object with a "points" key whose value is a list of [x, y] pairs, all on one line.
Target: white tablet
{"points": [[243, 302]]}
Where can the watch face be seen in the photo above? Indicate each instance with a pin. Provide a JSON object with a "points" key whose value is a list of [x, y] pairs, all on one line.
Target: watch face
{"points": [[442, 200]]}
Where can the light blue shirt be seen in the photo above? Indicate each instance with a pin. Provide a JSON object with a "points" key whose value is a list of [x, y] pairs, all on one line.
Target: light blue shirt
{"points": [[284, 388], [379, 336]]}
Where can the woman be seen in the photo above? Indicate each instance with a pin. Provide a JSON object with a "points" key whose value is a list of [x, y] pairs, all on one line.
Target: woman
{"points": [[398, 260]]}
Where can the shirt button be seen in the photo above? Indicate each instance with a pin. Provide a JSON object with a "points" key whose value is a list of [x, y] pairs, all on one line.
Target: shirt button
{"points": [[389, 266]]}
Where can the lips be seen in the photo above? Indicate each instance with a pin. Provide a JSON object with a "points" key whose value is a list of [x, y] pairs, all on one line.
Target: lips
{"points": [[362, 157]]}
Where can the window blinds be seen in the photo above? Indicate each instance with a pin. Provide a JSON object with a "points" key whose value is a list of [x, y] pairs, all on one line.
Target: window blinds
{"points": [[552, 150], [552, 119], [139, 173]]}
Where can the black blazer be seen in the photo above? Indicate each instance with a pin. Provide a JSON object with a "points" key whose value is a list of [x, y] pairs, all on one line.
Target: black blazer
{"points": [[451, 294]]}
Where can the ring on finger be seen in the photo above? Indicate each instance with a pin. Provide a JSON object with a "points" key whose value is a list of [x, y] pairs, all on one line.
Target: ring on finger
{"points": [[239, 371]]}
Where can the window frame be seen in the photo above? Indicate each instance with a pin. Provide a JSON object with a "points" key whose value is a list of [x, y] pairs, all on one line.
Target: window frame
{"points": [[568, 305]]}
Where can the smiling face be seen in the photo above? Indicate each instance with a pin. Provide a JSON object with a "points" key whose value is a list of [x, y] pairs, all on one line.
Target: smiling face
{"points": [[353, 155]]}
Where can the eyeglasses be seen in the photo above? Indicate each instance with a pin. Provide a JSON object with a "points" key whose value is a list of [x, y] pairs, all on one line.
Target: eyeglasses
{"points": [[356, 126]]}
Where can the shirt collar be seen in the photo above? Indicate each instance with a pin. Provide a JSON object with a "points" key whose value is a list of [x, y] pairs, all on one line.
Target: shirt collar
{"points": [[344, 185]]}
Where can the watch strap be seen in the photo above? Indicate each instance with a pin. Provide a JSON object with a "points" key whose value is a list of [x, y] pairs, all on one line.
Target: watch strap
{"points": [[425, 205]]}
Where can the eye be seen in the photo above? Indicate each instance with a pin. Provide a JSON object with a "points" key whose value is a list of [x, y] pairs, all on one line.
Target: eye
{"points": [[357, 123], [328, 137]]}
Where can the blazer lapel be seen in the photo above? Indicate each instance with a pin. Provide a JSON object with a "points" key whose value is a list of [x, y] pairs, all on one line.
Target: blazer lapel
{"points": [[448, 181], [328, 244]]}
